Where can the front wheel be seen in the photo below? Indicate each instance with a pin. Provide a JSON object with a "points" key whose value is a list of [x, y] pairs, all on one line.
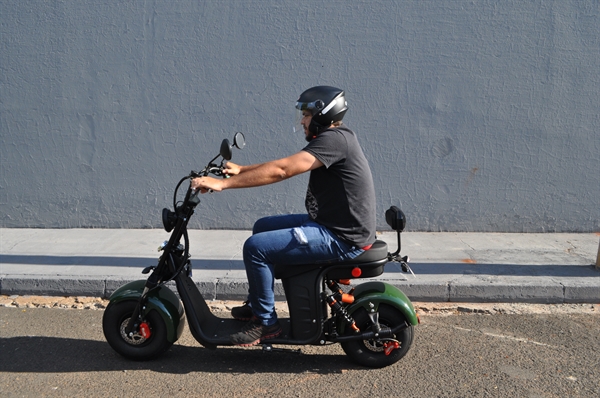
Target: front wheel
{"points": [[378, 354], [148, 341]]}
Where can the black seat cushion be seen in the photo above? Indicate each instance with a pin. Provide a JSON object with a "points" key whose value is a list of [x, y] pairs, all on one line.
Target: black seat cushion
{"points": [[377, 252], [371, 263]]}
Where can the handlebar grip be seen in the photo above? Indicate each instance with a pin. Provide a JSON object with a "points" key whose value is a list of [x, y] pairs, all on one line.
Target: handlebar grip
{"points": [[195, 192]]}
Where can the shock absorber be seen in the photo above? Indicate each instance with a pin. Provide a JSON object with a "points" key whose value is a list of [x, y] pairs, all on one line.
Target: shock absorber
{"points": [[346, 298], [336, 302]]}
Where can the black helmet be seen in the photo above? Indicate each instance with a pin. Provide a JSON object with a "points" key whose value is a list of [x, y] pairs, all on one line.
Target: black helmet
{"points": [[327, 105]]}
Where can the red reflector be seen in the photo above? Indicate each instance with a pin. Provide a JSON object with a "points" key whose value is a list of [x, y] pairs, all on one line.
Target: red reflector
{"points": [[356, 272]]}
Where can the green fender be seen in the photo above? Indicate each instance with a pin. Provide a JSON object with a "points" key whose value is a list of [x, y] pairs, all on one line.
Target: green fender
{"points": [[161, 299], [375, 293]]}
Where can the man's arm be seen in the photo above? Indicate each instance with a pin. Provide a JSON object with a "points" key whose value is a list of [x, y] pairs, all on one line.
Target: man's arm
{"points": [[232, 169], [262, 174]]}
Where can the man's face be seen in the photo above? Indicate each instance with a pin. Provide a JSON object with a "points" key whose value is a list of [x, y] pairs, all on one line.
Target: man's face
{"points": [[305, 122]]}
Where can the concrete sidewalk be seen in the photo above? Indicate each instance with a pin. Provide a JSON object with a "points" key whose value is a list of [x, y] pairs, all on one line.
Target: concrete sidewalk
{"points": [[459, 267]]}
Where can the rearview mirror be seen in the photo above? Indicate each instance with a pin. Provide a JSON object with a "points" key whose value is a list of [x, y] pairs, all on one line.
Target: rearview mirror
{"points": [[395, 218], [239, 141], [226, 150]]}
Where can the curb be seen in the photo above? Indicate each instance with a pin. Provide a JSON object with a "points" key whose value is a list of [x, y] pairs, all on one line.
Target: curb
{"points": [[236, 289]]}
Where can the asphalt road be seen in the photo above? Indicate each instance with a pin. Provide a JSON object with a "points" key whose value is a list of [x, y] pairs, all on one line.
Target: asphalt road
{"points": [[62, 353]]}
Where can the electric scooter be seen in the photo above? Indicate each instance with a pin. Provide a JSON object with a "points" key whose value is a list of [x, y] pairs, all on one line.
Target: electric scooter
{"points": [[373, 322]]}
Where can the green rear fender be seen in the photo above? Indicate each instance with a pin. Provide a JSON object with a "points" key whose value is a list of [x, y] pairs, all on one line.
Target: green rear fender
{"points": [[376, 293], [161, 300]]}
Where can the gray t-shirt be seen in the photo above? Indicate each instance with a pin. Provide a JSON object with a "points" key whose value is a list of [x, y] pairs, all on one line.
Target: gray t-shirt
{"points": [[341, 195]]}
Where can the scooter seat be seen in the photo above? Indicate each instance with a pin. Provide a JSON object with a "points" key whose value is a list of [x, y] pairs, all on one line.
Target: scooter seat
{"points": [[377, 252], [371, 263]]}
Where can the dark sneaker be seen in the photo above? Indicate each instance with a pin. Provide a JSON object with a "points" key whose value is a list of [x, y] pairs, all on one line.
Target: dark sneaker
{"points": [[254, 332], [243, 313]]}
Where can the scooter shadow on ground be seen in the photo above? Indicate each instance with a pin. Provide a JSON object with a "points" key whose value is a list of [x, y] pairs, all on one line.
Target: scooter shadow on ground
{"points": [[38, 354], [420, 268], [506, 269], [112, 261]]}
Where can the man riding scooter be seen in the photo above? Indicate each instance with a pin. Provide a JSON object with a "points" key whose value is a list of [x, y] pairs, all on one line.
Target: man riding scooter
{"points": [[340, 203]]}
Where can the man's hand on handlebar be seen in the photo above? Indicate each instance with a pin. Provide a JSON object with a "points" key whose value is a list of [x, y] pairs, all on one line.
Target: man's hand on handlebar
{"points": [[206, 184], [231, 169]]}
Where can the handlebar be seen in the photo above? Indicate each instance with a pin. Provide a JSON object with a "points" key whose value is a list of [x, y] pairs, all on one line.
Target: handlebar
{"points": [[210, 169], [217, 170], [182, 210]]}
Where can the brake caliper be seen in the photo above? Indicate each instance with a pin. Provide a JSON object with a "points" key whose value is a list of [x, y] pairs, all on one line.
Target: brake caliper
{"points": [[145, 330], [390, 346]]}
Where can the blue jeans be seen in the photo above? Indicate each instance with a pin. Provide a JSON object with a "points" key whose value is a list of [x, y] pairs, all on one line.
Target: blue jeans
{"points": [[292, 239]]}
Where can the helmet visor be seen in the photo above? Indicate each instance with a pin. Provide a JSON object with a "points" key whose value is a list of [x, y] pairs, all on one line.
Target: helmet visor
{"points": [[313, 107], [297, 126]]}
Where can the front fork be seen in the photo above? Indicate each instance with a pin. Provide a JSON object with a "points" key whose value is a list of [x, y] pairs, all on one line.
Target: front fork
{"points": [[162, 300], [133, 326], [152, 282], [136, 318]]}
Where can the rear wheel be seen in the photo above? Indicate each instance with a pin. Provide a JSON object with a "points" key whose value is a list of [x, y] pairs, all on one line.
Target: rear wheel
{"points": [[147, 341], [372, 353]]}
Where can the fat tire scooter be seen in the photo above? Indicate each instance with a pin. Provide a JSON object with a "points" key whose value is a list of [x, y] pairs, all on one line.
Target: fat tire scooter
{"points": [[373, 321]]}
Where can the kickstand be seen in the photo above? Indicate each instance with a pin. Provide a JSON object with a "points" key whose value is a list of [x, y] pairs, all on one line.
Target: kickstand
{"points": [[269, 348]]}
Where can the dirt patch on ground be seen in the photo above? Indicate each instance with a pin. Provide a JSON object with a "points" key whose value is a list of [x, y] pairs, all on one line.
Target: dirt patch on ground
{"points": [[96, 303], [88, 303], [504, 308]]}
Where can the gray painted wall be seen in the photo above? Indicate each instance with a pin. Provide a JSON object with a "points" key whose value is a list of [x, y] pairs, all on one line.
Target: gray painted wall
{"points": [[475, 115]]}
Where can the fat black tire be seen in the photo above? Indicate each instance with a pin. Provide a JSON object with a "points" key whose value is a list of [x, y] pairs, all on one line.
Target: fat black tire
{"points": [[369, 352], [137, 348]]}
